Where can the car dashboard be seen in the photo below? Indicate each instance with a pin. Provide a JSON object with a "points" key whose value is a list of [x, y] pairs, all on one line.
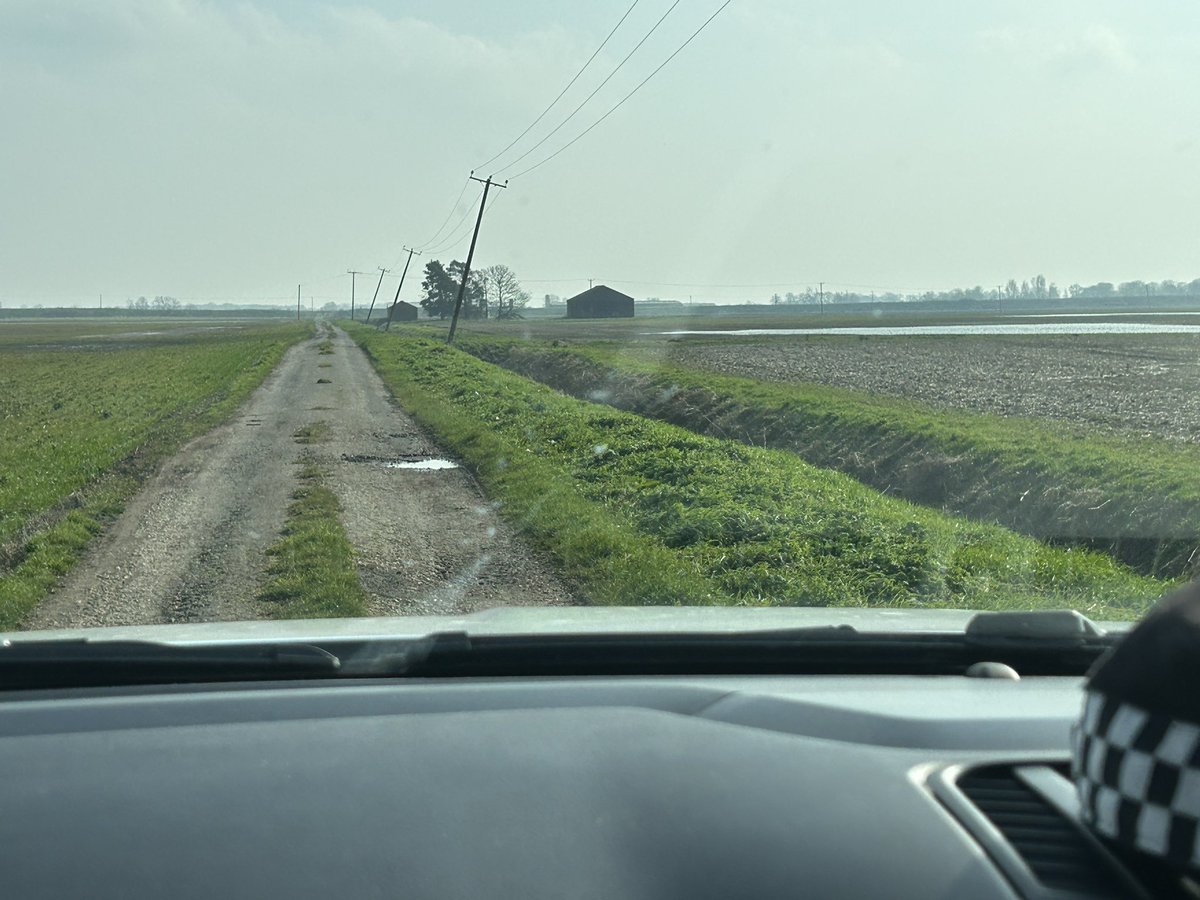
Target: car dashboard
{"points": [[746, 786]]}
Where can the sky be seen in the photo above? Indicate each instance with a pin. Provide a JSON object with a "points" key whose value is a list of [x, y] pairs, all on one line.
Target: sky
{"points": [[222, 151]]}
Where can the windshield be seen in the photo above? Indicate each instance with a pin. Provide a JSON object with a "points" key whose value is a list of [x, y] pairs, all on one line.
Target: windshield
{"points": [[321, 310]]}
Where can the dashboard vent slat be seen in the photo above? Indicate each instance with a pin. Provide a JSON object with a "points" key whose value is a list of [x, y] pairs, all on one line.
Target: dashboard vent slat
{"points": [[1056, 853]]}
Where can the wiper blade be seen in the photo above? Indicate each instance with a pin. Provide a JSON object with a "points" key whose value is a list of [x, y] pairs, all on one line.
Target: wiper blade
{"points": [[816, 651], [90, 663]]}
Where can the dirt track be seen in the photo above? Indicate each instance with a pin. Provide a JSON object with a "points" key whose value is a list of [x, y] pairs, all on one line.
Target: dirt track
{"points": [[191, 545]]}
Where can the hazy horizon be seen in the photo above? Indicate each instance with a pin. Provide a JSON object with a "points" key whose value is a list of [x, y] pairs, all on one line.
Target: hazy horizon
{"points": [[224, 152]]}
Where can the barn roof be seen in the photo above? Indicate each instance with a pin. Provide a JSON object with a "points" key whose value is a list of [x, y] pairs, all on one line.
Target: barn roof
{"points": [[601, 292]]}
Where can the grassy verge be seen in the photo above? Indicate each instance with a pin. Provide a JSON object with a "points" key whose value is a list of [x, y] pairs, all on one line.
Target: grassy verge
{"points": [[594, 546], [1138, 500], [81, 425], [311, 573], [706, 520]]}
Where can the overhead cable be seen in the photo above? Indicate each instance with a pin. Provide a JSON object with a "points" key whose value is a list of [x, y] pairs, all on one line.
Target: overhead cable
{"points": [[586, 99], [623, 99], [554, 102], [441, 227]]}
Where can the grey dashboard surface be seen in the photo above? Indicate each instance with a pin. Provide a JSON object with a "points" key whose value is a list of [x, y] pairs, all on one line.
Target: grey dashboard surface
{"points": [[655, 787]]}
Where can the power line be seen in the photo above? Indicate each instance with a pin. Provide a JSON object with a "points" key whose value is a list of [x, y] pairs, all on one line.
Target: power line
{"points": [[586, 99], [553, 102], [437, 233], [626, 97], [458, 232], [459, 236]]}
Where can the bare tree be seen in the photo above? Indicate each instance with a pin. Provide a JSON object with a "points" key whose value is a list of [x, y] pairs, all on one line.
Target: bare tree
{"points": [[504, 291]]}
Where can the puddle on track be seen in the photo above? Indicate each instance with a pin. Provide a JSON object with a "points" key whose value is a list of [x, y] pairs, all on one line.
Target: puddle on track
{"points": [[421, 464]]}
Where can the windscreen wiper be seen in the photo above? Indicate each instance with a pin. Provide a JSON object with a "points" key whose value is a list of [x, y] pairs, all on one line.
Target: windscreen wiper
{"points": [[90, 663], [1027, 643], [1052, 643]]}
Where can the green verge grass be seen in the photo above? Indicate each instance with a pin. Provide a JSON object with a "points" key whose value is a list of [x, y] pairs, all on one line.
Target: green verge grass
{"points": [[699, 519], [83, 421], [311, 573], [1137, 499]]}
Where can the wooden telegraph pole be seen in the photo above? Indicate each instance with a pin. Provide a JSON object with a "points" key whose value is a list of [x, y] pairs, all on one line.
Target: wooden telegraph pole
{"points": [[352, 273], [382, 272], [411, 251], [462, 287]]}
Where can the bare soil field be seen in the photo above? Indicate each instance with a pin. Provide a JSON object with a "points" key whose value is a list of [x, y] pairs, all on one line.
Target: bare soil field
{"points": [[191, 546], [1145, 384]]}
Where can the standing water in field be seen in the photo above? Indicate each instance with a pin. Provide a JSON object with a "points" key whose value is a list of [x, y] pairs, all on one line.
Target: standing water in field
{"points": [[1030, 328]]}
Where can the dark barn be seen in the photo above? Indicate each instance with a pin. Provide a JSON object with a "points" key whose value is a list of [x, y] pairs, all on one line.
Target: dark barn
{"points": [[600, 302], [402, 312]]}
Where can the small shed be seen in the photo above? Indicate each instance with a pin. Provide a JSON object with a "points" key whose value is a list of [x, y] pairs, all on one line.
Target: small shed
{"points": [[600, 302], [402, 312]]}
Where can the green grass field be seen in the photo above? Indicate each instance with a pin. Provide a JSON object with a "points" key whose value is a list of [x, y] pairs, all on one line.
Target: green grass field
{"points": [[87, 409], [638, 511]]}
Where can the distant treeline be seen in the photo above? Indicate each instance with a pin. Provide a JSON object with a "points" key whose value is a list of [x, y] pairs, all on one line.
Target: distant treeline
{"points": [[122, 312], [1036, 288]]}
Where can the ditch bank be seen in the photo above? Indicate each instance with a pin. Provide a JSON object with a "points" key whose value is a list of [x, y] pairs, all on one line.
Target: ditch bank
{"points": [[1139, 504]]}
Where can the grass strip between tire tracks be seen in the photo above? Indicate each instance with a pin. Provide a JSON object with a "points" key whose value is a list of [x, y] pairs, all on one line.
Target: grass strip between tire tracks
{"points": [[311, 572], [638, 511]]}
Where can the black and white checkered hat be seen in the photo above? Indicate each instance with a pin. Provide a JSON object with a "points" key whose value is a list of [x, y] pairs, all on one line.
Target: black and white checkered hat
{"points": [[1137, 748]]}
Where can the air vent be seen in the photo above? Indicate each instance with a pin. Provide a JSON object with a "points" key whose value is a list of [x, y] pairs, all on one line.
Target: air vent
{"points": [[1054, 849]]}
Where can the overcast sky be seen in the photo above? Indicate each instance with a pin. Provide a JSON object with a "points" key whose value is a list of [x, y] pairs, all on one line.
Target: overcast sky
{"points": [[213, 150]]}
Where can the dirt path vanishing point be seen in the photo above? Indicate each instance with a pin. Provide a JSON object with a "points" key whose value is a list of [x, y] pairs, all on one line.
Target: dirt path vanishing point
{"points": [[191, 546]]}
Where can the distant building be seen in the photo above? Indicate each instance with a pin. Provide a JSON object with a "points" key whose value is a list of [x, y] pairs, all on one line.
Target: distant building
{"points": [[402, 312], [600, 302]]}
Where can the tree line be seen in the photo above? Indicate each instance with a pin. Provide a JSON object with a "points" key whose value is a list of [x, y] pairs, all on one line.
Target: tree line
{"points": [[1035, 288], [159, 303], [491, 292]]}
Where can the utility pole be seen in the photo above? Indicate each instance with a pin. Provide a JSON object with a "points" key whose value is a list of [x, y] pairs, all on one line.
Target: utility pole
{"points": [[821, 295], [382, 272], [462, 287], [352, 273], [411, 251], [297, 303]]}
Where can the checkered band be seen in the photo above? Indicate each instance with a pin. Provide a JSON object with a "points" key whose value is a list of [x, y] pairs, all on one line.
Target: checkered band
{"points": [[1138, 777]]}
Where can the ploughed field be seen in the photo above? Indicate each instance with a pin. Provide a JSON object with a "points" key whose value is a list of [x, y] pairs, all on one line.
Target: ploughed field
{"points": [[1147, 385]]}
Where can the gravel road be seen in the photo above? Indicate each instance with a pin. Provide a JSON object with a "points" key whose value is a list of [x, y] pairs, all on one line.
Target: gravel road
{"points": [[1144, 384], [191, 546]]}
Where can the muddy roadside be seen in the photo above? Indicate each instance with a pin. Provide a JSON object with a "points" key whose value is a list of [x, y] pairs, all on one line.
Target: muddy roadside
{"points": [[191, 546]]}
